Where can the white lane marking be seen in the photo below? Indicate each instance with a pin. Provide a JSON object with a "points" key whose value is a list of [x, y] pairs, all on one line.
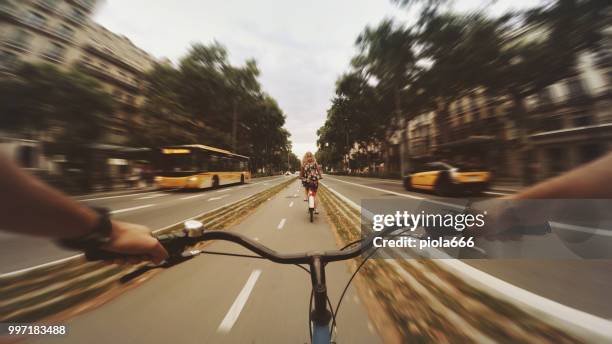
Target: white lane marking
{"points": [[142, 193], [152, 196], [80, 255], [281, 224], [549, 307], [575, 228], [234, 311], [377, 189], [496, 193], [224, 190], [291, 204], [130, 209], [217, 198], [118, 196], [194, 196]]}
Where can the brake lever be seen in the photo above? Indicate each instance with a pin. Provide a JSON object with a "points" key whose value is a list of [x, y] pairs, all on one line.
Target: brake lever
{"points": [[168, 263]]}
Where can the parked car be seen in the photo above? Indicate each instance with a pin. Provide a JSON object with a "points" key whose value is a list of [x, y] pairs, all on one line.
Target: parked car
{"points": [[445, 179]]}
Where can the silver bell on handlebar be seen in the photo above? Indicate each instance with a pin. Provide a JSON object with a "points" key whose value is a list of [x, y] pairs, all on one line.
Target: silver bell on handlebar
{"points": [[193, 228]]}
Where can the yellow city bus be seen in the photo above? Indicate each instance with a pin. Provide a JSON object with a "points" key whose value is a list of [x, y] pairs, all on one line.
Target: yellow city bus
{"points": [[199, 167]]}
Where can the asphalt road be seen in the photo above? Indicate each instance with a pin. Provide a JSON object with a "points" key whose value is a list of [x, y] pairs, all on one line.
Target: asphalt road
{"points": [[218, 299], [215, 299], [153, 209]]}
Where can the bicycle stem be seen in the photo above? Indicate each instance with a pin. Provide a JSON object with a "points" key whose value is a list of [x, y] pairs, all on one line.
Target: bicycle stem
{"points": [[320, 315]]}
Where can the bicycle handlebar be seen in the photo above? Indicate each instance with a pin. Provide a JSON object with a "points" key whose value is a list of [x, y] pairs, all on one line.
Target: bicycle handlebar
{"points": [[176, 243]]}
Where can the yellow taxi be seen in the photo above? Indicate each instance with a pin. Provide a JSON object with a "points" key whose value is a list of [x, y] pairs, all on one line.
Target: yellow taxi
{"points": [[445, 179]]}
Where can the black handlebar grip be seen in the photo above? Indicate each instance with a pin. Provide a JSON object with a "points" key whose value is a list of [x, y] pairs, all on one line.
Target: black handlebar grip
{"points": [[174, 243]]}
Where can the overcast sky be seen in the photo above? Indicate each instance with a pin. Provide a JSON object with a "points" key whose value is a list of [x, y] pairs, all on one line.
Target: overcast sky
{"points": [[301, 47]]}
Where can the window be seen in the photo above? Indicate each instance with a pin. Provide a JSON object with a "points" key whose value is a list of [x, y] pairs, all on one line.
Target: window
{"points": [[544, 97], [22, 39], [575, 87], [66, 31], [50, 3], [56, 51], [583, 121], [25, 156], [552, 124], [460, 111], [77, 15], [8, 60], [36, 19], [590, 152], [474, 107]]}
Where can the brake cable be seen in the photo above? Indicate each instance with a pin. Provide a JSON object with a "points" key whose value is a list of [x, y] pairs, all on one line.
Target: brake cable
{"points": [[355, 274]]}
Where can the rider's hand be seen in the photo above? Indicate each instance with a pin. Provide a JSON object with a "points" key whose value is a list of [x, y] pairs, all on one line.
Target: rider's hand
{"points": [[499, 222], [136, 242]]}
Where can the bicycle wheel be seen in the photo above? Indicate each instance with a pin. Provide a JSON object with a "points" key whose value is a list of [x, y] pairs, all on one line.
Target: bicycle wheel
{"points": [[311, 211]]}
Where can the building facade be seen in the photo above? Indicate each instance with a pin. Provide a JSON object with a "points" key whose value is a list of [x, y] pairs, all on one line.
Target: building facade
{"points": [[62, 33], [568, 124]]}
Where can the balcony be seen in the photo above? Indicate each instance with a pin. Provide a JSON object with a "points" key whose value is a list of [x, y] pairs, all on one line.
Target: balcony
{"points": [[79, 20], [11, 14], [45, 5], [110, 56], [16, 44], [53, 57], [108, 76], [84, 4], [8, 11]]}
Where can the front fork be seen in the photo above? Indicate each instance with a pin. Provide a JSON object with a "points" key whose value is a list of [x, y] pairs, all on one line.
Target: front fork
{"points": [[320, 315]]}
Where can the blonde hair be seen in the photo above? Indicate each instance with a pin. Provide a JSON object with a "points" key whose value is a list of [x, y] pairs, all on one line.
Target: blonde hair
{"points": [[306, 158]]}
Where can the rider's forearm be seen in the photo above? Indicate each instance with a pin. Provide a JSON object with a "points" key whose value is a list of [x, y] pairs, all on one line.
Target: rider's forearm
{"points": [[31, 207], [589, 181]]}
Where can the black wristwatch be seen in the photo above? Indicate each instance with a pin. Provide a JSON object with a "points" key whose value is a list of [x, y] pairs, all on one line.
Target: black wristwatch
{"points": [[99, 236]]}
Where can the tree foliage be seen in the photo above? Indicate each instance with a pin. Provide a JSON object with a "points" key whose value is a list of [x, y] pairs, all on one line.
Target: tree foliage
{"points": [[197, 100], [68, 105], [446, 55]]}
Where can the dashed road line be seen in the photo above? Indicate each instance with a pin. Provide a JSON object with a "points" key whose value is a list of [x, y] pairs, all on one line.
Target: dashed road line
{"points": [[281, 224], [130, 209], [194, 196], [217, 198], [152, 196], [291, 204], [234, 312]]}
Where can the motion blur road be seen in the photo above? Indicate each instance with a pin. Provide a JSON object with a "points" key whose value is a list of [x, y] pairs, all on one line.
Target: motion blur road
{"points": [[216, 299], [153, 209]]}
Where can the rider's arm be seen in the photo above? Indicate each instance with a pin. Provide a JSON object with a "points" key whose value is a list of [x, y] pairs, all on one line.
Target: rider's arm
{"points": [[589, 181], [29, 206]]}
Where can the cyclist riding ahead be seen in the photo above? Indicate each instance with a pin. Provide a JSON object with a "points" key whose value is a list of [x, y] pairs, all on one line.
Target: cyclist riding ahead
{"points": [[310, 173]]}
